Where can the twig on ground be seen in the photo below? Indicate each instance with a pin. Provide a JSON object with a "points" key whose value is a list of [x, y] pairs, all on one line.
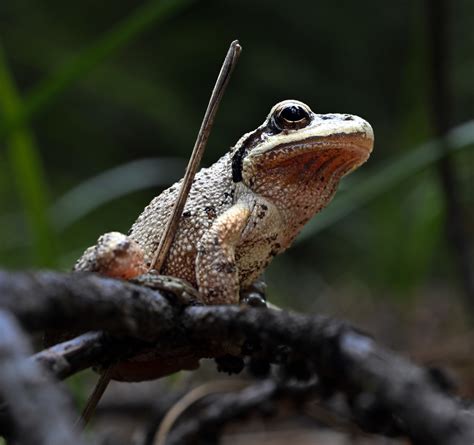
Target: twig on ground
{"points": [[189, 399], [206, 424]]}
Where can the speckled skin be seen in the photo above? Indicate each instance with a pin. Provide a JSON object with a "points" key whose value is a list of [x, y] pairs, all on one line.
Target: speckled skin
{"points": [[247, 207]]}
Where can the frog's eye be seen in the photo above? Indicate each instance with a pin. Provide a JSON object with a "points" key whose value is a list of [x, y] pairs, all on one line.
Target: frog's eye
{"points": [[291, 116]]}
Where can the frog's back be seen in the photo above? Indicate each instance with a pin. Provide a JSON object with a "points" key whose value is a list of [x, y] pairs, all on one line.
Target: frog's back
{"points": [[212, 193]]}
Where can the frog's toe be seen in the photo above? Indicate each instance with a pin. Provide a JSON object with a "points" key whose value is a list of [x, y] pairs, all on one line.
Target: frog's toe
{"points": [[254, 295], [115, 255], [253, 299], [185, 293]]}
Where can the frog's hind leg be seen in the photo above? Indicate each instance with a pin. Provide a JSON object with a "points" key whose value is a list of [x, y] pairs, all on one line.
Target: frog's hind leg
{"points": [[216, 269], [115, 255]]}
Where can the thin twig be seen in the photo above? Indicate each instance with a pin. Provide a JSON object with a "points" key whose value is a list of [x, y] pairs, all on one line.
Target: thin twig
{"points": [[222, 79], [191, 398], [226, 408], [173, 222], [93, 400], [95, 397]]}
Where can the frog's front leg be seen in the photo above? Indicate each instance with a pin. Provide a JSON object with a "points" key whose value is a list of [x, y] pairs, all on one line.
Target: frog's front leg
{"points": [[115, 255], [217, 274]]}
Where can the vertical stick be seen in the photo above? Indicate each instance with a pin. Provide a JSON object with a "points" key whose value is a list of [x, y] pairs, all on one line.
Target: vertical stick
{"points": [[196, 156], [168, 234]]}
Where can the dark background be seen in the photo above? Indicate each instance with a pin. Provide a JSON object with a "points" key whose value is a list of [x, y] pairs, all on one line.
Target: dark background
{"points": [[85, 87]]}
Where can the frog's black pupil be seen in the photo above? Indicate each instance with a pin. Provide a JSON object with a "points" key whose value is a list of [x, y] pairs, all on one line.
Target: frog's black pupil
{"points": [[293, 113]]}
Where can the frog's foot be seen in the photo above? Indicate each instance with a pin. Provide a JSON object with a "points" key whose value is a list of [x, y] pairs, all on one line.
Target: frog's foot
{"points": [[254, 295], [184, 292], [115, 255]]}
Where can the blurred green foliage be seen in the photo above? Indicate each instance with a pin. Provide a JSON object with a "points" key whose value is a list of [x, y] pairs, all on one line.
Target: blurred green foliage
{"points": [[26, 170], [107, 84]]}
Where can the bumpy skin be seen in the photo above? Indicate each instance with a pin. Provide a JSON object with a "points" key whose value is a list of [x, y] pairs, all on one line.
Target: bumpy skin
{"points": [[247, 207]]}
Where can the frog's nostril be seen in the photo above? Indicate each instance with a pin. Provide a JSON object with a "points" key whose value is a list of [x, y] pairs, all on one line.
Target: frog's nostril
{"points": [[123, 245], [348, 117]]}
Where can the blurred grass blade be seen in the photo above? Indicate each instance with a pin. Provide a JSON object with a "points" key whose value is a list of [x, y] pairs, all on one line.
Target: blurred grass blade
{"points": [[359, 192], [112, 184], [26, 169], [123, 33], [144, 173], [141, 174]]}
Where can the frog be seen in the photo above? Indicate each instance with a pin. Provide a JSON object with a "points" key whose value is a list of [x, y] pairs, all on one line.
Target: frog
{"points": [[243, 210]]}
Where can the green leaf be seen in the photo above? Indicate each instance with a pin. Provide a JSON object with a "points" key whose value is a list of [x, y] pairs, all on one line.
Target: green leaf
{"points": [[25, 166], [114, 183], [113, 40]]}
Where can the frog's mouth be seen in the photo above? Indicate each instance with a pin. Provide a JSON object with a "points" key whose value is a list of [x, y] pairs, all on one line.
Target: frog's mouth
{"points": [[322, 156]]}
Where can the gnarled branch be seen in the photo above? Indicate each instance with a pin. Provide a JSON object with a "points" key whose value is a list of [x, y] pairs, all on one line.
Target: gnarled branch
{"points": [[377, 383]]}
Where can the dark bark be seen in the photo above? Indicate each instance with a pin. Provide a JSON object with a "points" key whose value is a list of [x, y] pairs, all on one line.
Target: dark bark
{"points": [[51, 300], [65, 359], [88, 350], [387, 394], [386, 391]]}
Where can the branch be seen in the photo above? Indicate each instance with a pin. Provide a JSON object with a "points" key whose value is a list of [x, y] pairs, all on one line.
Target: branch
{"points": [[376, 381], [86, 351], [385, 391], [36, 410], [83, 301], [205, 425]]}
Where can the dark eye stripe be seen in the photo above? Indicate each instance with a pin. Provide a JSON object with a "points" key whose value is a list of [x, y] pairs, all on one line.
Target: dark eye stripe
{"points": [[237, 161], [290, 116], [252, 140]]}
